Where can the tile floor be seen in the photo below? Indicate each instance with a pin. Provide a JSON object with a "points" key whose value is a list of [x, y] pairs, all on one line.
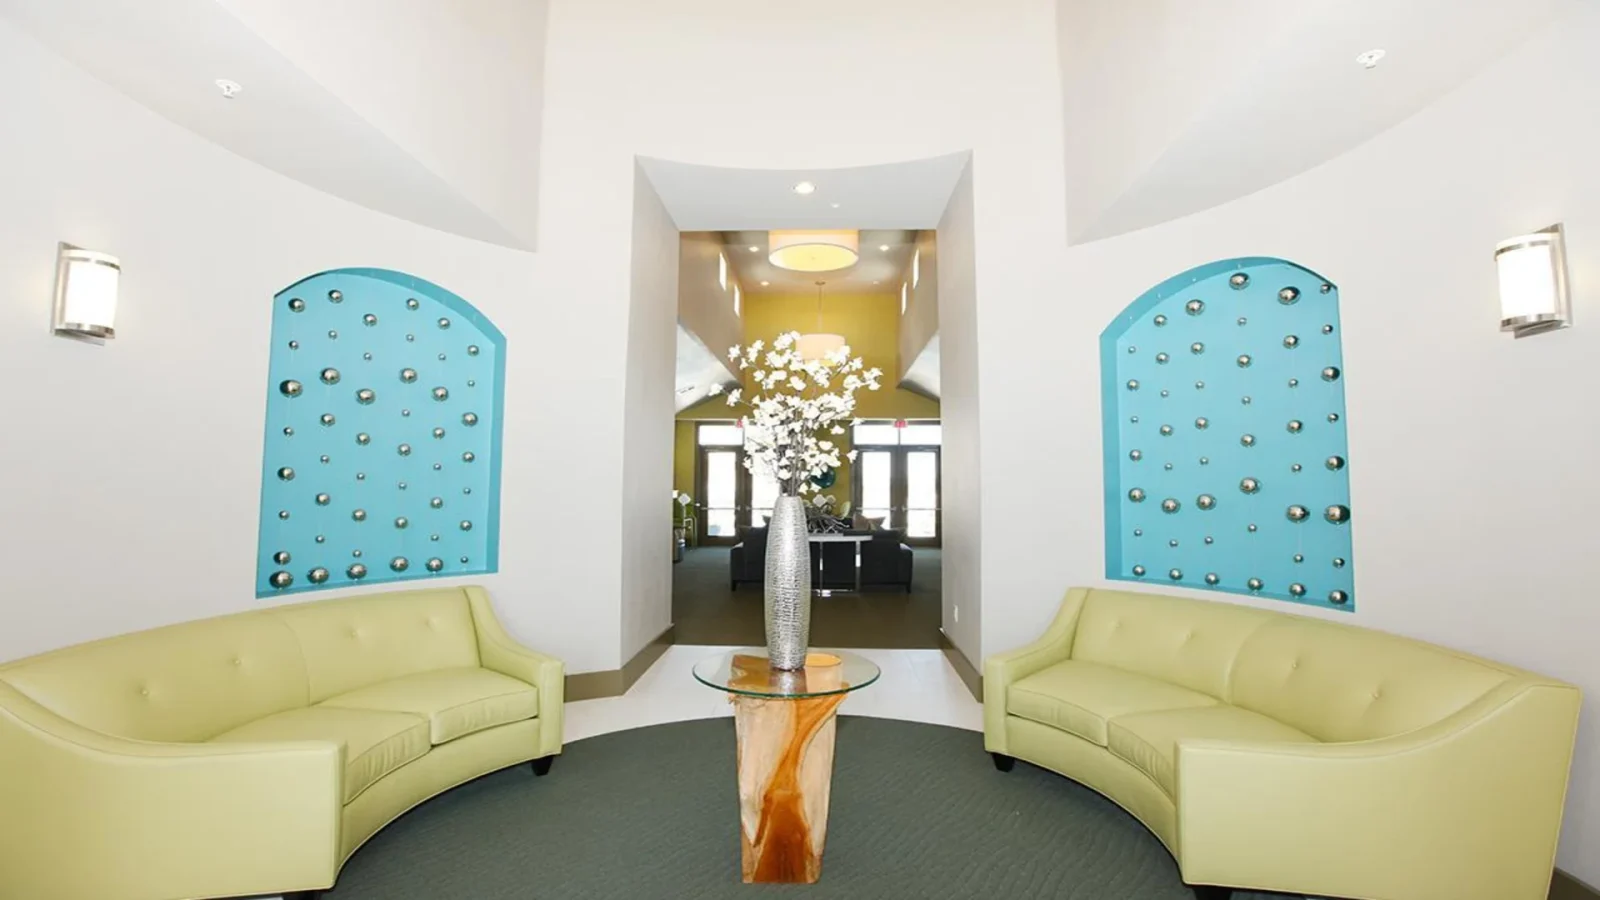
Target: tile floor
{"points": [[917, 685]]}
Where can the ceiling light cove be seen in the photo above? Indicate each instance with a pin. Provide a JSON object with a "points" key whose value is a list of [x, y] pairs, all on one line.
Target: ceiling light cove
{"points": [[813, 251], [805, 187]]}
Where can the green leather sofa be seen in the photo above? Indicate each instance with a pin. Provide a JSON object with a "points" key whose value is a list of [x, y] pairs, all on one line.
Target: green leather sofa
{"points": [[1285, 753], [252, 754]]}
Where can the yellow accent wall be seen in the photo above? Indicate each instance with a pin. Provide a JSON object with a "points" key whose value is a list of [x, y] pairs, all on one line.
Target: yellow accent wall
{"points": [[870, 324]]}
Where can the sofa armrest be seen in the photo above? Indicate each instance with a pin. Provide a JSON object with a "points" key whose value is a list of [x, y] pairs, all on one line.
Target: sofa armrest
{"points": [[499, 652], [1469, 807], [1002, 670], [91, 815]]}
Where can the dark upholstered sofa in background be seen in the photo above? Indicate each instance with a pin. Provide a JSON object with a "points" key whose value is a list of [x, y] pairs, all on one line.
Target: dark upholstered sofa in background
{"points": [[885, 561]]}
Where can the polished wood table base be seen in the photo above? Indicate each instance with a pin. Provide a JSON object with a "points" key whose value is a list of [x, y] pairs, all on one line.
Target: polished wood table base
{"points": [[785, 771]]}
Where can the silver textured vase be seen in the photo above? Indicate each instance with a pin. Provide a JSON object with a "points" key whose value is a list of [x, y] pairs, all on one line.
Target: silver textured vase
{"points": [[788, 585]]}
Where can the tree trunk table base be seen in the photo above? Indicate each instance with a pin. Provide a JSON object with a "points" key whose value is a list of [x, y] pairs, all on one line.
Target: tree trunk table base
{"points": [[785, 772]]}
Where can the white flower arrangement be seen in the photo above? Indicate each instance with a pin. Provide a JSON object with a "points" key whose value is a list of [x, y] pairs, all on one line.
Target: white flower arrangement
{"points": [[795, 402]]}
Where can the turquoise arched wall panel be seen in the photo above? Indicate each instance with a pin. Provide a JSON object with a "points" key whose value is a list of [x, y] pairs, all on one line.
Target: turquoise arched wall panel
{"points": [[1226, 465], [382, 450]]}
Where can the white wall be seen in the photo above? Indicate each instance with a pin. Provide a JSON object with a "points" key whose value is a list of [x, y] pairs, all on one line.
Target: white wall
{"points": [[647, 422], [961, 473], [128, 476], [1471, 455]]}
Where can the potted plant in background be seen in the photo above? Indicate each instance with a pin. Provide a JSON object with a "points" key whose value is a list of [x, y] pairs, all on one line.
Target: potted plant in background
{"points": [[798, 403]]}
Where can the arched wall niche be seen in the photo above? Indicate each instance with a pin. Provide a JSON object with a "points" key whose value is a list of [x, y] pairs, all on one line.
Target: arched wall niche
{"points": [[381, 457], [1226, 462]]}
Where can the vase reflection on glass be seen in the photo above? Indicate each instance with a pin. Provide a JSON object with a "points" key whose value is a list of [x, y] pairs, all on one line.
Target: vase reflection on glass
{"points": [[788, 585]]}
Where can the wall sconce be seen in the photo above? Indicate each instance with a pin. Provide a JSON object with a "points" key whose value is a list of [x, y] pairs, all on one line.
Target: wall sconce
{"points": [[1533, 283], [86, 293]]}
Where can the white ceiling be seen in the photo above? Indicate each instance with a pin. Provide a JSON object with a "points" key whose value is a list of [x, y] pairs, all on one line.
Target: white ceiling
{"points": [[899, 195], [408, 107], [879, 271], [1174, 107]]}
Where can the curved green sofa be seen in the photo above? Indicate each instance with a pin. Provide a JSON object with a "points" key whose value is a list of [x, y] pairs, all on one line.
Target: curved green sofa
{"points": [[1284, 753], [252, 754]]}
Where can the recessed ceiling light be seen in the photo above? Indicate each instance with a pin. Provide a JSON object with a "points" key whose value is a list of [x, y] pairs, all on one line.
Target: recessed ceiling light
{"points": [[834, 205], [884, 247], [765, 283], [805, 187], [754, 249], [877, 282], [1371, 58], [228, 88]]}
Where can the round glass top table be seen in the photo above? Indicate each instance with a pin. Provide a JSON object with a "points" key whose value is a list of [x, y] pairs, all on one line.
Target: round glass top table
{"points": [[784, 723]]}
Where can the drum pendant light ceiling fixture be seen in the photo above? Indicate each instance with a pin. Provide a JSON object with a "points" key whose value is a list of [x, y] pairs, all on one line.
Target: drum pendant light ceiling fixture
{"points": [[818, 345], [813, 251]]}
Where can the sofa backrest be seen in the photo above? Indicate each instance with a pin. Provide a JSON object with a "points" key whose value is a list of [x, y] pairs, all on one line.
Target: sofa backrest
{"points": [[186, 682], [1184, 642], [1333, 681], [356, 641], [1341, 683], [196, 680]]}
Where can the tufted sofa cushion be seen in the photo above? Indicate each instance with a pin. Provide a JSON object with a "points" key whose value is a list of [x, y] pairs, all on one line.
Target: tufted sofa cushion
{"points": [[1081, 697], [1168, 638], [1339, 683], [455, 702]]}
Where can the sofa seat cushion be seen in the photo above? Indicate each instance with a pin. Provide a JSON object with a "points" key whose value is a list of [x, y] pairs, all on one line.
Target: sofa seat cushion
{"points": [[376, 743], [455, 702], [1149, 741], [1081, 697]]}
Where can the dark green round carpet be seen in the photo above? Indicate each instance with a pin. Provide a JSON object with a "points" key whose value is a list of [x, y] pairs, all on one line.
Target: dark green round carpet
{"points": [[918, 811]]}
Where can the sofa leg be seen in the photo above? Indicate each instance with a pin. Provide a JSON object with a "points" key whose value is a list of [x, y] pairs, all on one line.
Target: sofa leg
{"points": [[1211, 892], [1006, 763], [541, 766]]}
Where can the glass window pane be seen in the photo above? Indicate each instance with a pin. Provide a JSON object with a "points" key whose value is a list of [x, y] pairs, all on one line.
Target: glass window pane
{"points": [[763, 495], [722, 481], [921, 523], [927, 434], [875, 468], [719, 523], [876, 434], [721, 435], [922, 480]]}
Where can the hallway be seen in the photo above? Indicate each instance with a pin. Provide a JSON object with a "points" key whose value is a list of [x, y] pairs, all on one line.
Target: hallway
{"points": [[705, 611]]}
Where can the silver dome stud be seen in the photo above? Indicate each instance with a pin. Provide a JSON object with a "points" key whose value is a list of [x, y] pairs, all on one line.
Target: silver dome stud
{"points": [[412, 304], [401, 485], [399, 564], [1160, 321], [1299, 557], [436, 503], [317, 575], [361, 476], [1133, 384], [1326, 287], [1295, 467], [333, 335], [1338, 598], [294, 345], [356, 571], [1173, 542], [1199, 385], [281, 557], [290, 388], [1327, 329], [469, 419], [1254, 584], [327, 419], [285, 474], [1175, 574], [438, 433], [1194, 307], [1210, 540], [1133, 349], [1205, 460], [1133, 419], [1249, 485], [1338, 562], [367, 356], [440, 393], [468, 456], [401, 521], [435, 564], [1166, 431], [321, 539], [369, 320], [1166, 393], [410, 338], [1138, 532], [1161, 358], [1212, 579], [1244, 360], [1170, 505], [1242, 321], [1337, 514], [1332, 418], [1205, 501], [1291, 341], [1197, 348], [1238, 280], [1331, 373], [330, 375], [444, 323], [336, 296], [1288, 295], [1294, 382], [363, 439], [1295, 426], [1297, 513], [403, 449], [365, 396], [472, 349], [1136, 495], [281, 580], [1167, 466], [297, 305], [359, 515], [1135, 455], [1251, 528], [1139, 571], [326, 459], [1202, 423], [1334, 463], [1297, 589], [466, 525], [1245, 400], [408, 375], [1247, 440], [356, 553], [324, 499]]}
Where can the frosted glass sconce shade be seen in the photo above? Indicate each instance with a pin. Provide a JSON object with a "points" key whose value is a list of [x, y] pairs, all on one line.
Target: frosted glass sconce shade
{"points": [[813, 251], [86, 293], [1533, 283]]}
